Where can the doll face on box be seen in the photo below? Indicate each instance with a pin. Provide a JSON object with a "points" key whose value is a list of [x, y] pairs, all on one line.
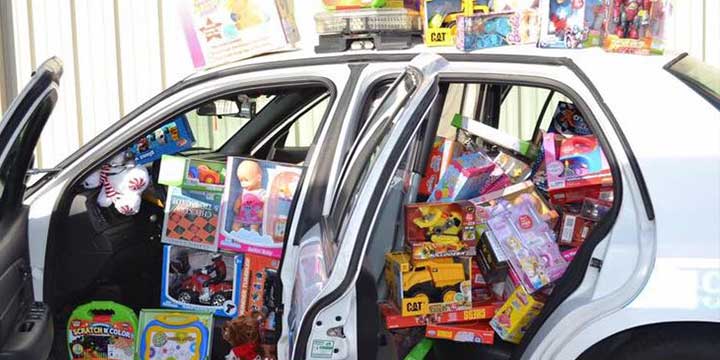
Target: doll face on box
{"points": [[249, 174]]}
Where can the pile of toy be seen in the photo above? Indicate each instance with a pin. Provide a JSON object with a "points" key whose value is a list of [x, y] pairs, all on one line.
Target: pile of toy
{"points": [[224, 228], [628, 26], [500, 221]]}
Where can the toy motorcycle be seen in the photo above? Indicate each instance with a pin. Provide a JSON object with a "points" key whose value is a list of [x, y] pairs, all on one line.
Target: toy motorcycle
{"points": [[190, 289]]}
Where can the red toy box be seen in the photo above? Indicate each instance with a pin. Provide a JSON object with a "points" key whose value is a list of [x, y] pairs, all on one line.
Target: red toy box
{"points": [[394, 320], [256, 270], [574, 230], [474, 332], [435, 230], [443, 151]]}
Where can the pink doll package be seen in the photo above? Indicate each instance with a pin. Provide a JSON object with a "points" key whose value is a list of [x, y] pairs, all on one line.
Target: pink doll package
{"points": [[256, 204], [529, 244], [468, 176]]}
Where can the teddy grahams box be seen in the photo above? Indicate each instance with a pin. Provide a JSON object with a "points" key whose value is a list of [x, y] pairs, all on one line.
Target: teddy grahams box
{"points": [[221, 31]]}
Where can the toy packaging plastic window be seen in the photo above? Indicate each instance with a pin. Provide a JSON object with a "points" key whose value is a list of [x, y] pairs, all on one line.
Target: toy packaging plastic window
{"points": [[256, 204], [563, 23], [482, 31], [171, 335], [467, 176], [440, 229], [171, 138], [191, 218], [102, 330], [203, 281], [636, 26], [192, 174]]}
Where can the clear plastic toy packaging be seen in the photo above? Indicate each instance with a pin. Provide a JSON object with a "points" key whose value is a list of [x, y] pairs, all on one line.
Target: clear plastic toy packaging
{"points": [[563, 23], [171, 138], [636, 26], [481, 31]]}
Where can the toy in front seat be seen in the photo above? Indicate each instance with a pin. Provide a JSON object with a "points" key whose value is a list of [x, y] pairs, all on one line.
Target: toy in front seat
{"points": [[249, 204], [122, 183]]}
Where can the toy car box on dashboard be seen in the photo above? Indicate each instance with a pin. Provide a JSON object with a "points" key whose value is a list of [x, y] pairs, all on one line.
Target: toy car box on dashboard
{"points": [[480, 31], [256, 204], [636, 26], [201, 281], [218, 32], [172, 334], [102, 330], [435, 230], [515, 315], [431, 286], [192, 174], [191, 218], [171, 138]]}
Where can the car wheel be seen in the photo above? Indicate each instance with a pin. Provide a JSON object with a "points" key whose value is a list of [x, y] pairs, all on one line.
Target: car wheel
{"points": [[424, 289], [218, 299], [186, 297]]}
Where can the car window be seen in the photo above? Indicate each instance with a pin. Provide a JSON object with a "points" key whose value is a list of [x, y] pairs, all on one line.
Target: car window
{"points": [[701, 77], [303, 131]]}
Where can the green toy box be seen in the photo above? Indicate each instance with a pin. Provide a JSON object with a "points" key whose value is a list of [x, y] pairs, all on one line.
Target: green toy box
{"points": [[102, 330], [192, 174]]}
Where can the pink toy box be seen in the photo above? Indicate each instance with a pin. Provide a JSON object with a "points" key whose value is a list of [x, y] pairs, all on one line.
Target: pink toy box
{"points": [[467, 176], [255, 205]]}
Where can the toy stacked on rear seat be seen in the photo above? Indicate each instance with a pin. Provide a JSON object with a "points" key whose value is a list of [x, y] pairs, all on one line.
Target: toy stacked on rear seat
{"points": [[501, 221]]}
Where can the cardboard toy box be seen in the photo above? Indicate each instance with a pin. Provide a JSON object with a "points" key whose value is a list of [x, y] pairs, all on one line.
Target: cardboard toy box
{"points": [[515, 315], [395, 320], [574, 229], [576, 168], [480, 31], [191, 218], [440, 16], [171, 334], [636, 27], [491, 259], [256, 271], [192, 174], [434, 230], [256, 204], [428, 286], [467, 176], [173, 137], [102, 330], [478, 332], [184, 276], [221, 31], [443, 151]]}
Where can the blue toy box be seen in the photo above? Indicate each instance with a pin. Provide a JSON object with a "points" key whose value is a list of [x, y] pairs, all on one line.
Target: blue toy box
{"points": [[171, 138]]}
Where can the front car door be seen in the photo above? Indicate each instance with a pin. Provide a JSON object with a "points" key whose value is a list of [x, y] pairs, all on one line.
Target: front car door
{"points": [[25, 326]]}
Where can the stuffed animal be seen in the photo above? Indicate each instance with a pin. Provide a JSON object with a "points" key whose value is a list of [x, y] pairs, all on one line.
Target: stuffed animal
{"points": [[122, 183], [243, 334]]}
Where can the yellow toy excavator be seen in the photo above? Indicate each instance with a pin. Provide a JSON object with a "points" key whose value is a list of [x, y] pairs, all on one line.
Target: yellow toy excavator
{"points": [[441, 227]]}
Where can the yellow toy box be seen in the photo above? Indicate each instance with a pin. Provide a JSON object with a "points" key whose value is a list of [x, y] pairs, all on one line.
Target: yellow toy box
{"points": [[440, 18], [420, 287], [515, 315]]}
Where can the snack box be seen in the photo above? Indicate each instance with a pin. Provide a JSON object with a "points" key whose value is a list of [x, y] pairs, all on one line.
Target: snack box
{"points": [[172, 334], [575, 168], [431, 286], [467, 176], [192, 174], [529, 245], [257, 270], [514, 317], [491, 259], [219, 32], [440, 16], [185, 272], [395, 320], [512, 195], [171, 138], [191, 218], [256, 204], [568, 121], [478, 332], [574, 229], [636, 27], [442, 152], [435, 230], [102, 330], [480, 31]]}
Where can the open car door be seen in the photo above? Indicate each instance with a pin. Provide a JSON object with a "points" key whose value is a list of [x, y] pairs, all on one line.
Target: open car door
{"points": [[323, 320], [26, 330]]}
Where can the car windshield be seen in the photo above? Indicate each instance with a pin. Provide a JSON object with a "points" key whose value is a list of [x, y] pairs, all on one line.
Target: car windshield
{"points": [[703, 78]]}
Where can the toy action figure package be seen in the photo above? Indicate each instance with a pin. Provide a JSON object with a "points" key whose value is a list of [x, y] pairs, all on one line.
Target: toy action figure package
{"points": [[636, 26], [102, 330], [395, 320], [568, 121], [222, 31], [191, 218], [440, 16], [201, 281], [467, 176], [192, 174], [171, 138], [575, 168], [443, 151], [563, 24], [478, 332], [595, 15], [171, 334], [435, 230], [256, 204], [482, 31], [421, 287], [255, 280], [515, 315]]}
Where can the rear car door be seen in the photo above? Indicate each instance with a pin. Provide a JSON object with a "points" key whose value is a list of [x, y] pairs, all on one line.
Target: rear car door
{"points": [[25, 326], [322, 321]]}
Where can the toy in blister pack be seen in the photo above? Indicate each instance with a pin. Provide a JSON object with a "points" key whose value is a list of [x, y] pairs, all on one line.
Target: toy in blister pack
{"points": [[440, 17], [256, 274], [514, 317], [443, 151], [440, 229], [568, 121], [563, 24], [482, 31], [102, 330], [170, 335], [256, 203], [192, 174], [595, 15], [171, 138], [636, 26], [200, 280], [467, 176], [478, 332], [529, 245], [191, 218]]}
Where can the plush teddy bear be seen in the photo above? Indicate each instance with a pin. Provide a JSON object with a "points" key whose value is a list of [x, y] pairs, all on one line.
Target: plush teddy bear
{"points": [[122, 183], [243, 334]]}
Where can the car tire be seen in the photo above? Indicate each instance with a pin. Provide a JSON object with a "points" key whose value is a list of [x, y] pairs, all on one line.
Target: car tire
{"points": [[186, 297], [426, 289], [218, 299]]}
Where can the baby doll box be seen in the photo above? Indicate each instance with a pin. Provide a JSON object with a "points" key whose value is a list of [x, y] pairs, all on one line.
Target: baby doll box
{"points": [[637, 26], [192, 174], [256, 204], [102, 330], [171, 138], [191, 218], [435, 230], [171, 335], [183, 281], [480, 31], [222, 31]]}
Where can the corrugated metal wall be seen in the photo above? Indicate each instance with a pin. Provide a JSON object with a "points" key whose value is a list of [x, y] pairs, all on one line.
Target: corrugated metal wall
{"points": [[118, 53]]}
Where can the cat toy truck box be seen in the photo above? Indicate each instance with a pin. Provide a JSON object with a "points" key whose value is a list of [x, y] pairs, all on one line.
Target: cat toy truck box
{"points": [[192, 174], [395, 320], [428, 286], [440, 17], [434, 230]]}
